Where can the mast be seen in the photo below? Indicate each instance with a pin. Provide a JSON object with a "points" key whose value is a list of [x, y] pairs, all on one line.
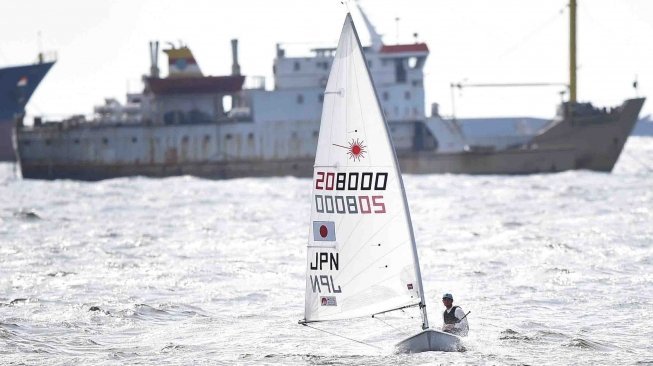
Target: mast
{"points": [[572, 52], [418, 273]]}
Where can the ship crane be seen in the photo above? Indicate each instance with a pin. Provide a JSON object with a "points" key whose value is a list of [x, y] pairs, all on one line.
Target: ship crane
{"points": [[375, 37], [503, 85], [570, 87]]}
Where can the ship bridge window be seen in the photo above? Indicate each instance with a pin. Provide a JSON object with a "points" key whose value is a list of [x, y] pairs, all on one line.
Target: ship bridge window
{"points": [[76, 141], [416, 62], [296, 66], [300, 99], [228, 136], [320, 97], [47, 142], [250, 136], [322, 65], [134, 140], [386, 96], [174, 117], [105, 140], [196, 116], [400, 71], [407, 95], [227, 103], [369, 64]]}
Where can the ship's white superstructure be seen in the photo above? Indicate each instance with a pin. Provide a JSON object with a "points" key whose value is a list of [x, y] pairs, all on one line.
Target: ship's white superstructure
{"points": [[298, 92], [231, 126]]}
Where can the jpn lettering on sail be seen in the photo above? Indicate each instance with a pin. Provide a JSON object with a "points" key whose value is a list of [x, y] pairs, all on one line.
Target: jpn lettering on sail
{"points": [[360, 260]]}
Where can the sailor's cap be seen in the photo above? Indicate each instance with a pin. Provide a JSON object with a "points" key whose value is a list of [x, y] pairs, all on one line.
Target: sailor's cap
{"points": [[447, 296]]}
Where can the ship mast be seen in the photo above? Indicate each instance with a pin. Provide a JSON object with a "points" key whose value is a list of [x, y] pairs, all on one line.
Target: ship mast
{"points": [[572, 52]]}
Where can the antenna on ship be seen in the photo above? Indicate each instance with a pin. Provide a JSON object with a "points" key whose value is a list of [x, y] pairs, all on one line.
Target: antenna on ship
{"points": [[397, 28], [39, 39]]}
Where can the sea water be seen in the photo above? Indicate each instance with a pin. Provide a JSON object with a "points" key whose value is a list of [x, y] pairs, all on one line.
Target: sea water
{"points": [[555, 269]]}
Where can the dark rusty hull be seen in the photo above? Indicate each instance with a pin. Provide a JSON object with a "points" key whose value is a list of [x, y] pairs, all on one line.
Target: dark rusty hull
{"points": [[6, 148], [288, 148], [597, 140], [213, 170], [508, 162]]}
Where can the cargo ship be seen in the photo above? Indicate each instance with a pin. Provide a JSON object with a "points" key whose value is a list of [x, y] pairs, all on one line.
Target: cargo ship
{"points": [[230, 126], [17, 84]]}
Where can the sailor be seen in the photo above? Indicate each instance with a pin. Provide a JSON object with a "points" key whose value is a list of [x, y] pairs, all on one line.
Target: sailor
{"points": [[454, 317]]}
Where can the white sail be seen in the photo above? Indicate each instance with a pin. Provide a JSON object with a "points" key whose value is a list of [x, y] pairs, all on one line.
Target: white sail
{"points": [[361, 258]]}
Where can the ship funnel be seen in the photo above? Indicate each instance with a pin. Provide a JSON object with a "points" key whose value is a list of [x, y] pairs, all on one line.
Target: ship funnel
{"points": [[181, 63], [235, 67], [154, 59], [280, 51]]}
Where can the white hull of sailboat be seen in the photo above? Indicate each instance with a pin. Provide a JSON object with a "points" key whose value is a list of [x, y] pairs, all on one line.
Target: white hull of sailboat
{"points": [[430, 340], [362, 257]]}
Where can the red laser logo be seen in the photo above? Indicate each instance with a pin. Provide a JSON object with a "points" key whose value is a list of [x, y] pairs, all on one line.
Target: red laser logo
{"points": [[356, 150]]}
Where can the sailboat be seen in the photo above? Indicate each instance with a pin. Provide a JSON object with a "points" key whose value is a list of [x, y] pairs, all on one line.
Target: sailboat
{"points": [[362, 257]]}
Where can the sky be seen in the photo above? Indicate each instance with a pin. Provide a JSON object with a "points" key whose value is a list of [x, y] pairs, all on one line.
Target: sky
{"points": [[102, 46]]}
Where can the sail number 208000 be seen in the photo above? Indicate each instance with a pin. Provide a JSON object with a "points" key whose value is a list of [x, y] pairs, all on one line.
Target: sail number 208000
{"points": [[353, 181]]}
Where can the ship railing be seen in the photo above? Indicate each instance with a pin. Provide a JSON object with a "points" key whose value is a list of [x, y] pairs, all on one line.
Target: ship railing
{"points": [[53, 121], [305, 49]]}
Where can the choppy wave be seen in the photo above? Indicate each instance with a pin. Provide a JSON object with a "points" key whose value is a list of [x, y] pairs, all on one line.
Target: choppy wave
{"points": [[556, 269]]}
